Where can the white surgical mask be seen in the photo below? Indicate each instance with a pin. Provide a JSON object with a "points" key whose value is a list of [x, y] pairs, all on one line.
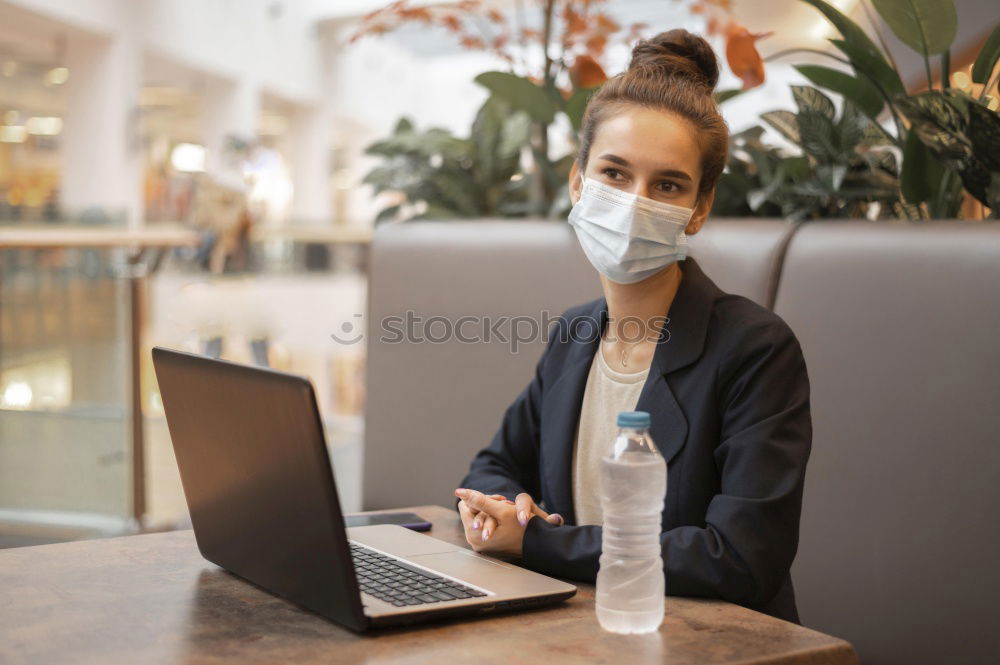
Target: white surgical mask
{"points": [[626, 236]]}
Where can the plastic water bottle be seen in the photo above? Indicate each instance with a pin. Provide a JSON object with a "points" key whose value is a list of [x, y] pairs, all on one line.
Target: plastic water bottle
{"points": [[630, 584]]}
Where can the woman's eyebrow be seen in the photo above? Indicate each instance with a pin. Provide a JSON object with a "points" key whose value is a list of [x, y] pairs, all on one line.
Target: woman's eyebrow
{"points": [[667, 172]]}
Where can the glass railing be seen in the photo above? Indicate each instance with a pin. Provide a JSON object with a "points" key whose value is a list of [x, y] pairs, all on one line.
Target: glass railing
{"points": [[64, 427], [72, 464]]}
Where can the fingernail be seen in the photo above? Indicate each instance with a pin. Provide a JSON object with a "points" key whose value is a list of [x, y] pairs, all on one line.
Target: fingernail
{"points": [[486, 534], [460, 492], [475, 524], [559, 517], [521, 518]]}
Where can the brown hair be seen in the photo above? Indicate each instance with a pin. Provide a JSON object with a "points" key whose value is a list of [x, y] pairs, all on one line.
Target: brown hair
{"points": [[674, 71]]}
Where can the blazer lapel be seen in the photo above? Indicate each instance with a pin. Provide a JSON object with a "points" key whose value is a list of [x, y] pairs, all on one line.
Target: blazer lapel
{"points": [[680, 344]]}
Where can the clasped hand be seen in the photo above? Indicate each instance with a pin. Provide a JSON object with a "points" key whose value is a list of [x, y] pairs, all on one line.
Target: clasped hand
{"points": [[495, 525]]}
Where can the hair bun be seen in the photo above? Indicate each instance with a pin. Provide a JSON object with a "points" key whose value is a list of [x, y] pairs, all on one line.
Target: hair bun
{"points": [[678, 53]]}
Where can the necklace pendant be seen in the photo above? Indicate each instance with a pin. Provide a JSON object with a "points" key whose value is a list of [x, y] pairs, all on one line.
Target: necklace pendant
{"points": [[624, 358]]}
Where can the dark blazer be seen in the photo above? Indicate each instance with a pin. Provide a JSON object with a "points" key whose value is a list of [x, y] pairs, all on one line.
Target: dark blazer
{"points": [[728, 394]]}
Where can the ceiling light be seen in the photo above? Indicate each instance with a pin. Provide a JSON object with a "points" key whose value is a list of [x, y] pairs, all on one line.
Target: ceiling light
{"points": [[188, 157], [42, 126], [57, 76], [17, 395], [13, 133]]}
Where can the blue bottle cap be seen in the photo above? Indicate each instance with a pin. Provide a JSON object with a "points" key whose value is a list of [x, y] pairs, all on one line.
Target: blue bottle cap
{"points": [[633, 419]]}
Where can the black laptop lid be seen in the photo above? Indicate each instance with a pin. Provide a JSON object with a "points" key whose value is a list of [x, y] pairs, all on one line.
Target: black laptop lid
{"points": [[258, 481]]}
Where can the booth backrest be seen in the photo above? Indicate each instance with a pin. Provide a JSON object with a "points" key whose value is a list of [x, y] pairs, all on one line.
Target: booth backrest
{"points": [[432, 403], [898, 322], [899, 549]]}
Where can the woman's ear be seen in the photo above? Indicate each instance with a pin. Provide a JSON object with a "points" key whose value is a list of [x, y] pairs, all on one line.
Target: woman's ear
{"points": [[701, 210], [574, 182]]}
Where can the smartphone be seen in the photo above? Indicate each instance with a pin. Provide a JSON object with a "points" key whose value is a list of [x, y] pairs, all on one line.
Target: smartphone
{"points": [[409, 520]]}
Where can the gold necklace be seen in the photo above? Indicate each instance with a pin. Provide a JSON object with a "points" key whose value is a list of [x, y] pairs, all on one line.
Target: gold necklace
{"points": [[624, 354]]}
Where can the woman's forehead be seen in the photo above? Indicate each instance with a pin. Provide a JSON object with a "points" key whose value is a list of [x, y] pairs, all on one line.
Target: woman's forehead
{"points": [[648, 138]]}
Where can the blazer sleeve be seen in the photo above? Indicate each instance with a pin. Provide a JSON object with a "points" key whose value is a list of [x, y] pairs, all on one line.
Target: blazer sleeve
{"points": [[509, 465], [750, 536]]}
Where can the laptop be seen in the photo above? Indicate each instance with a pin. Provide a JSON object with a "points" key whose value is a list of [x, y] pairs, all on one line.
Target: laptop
{"points": [[260, 489]]}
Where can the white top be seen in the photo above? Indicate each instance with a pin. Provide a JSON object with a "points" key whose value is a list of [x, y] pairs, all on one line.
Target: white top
{"points": [[607, 393]]}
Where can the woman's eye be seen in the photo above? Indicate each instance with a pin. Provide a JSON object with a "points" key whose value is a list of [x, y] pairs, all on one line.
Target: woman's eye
{"points": [[612, 173], [668, 186]]}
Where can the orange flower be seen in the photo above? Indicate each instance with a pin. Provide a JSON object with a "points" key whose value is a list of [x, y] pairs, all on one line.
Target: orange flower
{"points": [[586, 72], [415, 14], [741, 53], [575, 22], [472, 42], [596, 44], [607, 24], [451, 22], [712, 27]]}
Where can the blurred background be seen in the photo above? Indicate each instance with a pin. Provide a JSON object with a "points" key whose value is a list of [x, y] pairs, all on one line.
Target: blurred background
{"points": [[207, 175]]}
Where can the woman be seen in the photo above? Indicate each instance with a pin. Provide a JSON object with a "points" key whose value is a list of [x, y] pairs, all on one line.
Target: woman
{"points": [[723, 377]]}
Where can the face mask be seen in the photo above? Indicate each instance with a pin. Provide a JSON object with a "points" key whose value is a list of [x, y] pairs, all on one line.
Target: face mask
{"points": [[628, 237]]}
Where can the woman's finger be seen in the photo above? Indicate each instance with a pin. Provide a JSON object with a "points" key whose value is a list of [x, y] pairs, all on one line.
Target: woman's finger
{"points": [[552, 518], [489, 527], [467, 512], [526, 506]]}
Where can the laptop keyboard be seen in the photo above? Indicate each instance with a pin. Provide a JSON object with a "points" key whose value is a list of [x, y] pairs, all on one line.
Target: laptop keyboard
{"points": [[401, 584]]}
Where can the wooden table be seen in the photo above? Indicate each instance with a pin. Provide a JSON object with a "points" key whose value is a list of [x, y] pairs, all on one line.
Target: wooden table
{"points": [[153, 599]]}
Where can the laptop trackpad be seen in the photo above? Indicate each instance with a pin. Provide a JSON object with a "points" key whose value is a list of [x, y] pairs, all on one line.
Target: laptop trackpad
{"points": [[398, 540], [478, 570]]}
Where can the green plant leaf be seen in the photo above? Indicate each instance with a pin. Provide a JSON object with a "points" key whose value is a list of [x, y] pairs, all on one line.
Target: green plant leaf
{"points": [[993, 195], [921, 171], [926, 26], [403, 126], [725, 95], [874, 66], [757, 197], [386, 214], [577, 104], [884, 160], [520, 93], [486, 130], [984, 132], [819, 136], [876, 134], [859, 90], [939, 124], [986, 61], [849, 30], [851, 128], [785, 123], [515, 134], [808, 98], [797, 168]]}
